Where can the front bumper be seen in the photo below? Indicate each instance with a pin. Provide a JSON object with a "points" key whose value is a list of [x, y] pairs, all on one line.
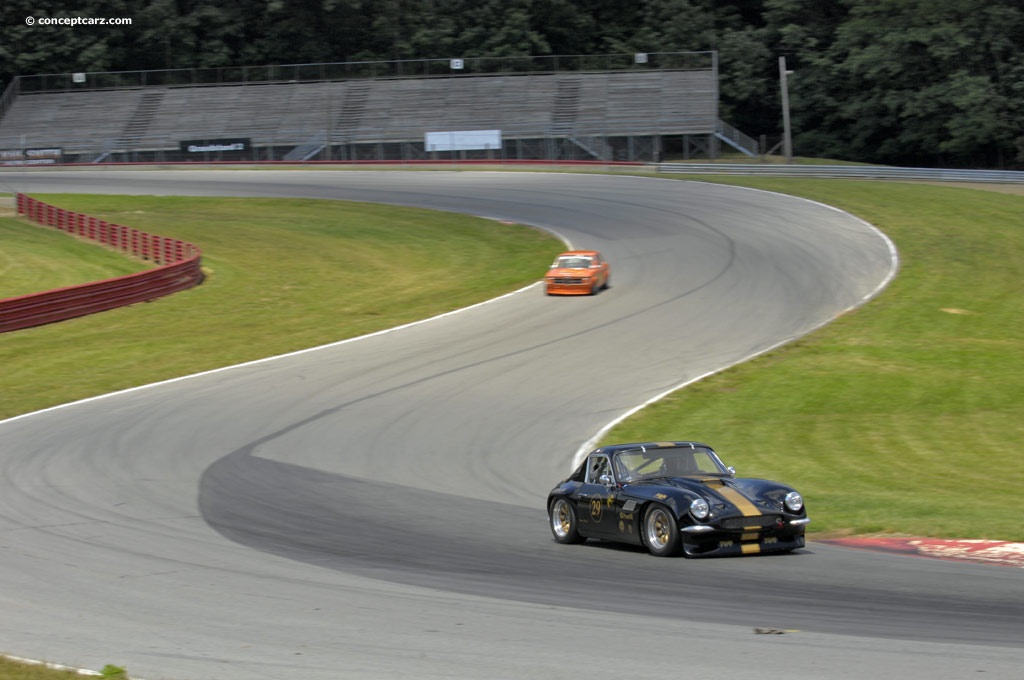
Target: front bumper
{"points": [[583, 287], [703, 540]]}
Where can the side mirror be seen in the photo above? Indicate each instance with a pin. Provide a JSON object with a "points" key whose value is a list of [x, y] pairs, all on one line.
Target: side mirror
{"points": [[606, 480], [732, 470]]}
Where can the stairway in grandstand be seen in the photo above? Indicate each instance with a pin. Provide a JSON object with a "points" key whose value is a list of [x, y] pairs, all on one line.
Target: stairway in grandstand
{"points": [[567, 105], [136, 126], [353, 108]]}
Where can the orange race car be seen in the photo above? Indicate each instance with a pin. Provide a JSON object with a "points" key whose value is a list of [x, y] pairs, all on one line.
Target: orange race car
{"points": [[577, 272]]}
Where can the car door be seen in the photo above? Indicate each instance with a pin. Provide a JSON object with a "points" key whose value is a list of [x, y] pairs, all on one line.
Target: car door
{"points": [[596, 499]]}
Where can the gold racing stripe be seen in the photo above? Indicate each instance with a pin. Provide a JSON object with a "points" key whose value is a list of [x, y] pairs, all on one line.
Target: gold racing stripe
{"points": [[740, 501]]}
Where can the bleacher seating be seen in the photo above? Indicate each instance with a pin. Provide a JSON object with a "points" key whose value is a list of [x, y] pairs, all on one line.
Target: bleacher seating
{"points": [[75, 121], [289, 114]]}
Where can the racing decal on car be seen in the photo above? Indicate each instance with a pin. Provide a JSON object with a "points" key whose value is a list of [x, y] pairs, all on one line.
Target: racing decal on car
{"points": [[596, 508], [741, 502]]}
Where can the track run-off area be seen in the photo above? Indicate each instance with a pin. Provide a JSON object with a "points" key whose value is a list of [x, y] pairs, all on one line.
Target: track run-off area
{"points": [[375, 508]]}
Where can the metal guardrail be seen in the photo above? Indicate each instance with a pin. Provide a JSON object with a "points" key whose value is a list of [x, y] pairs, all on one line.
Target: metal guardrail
{"points": [[180, 268], [844, 172]]}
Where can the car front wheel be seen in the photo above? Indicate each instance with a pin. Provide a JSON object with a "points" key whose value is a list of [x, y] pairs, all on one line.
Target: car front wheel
{"points": [[563, 522], [661, 533]]}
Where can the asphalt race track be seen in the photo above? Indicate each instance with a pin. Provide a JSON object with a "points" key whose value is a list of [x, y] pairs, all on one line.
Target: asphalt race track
{"points": [[374, 508]]}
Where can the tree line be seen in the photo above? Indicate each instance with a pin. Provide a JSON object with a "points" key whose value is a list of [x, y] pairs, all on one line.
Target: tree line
{"points": [[905, 82]]}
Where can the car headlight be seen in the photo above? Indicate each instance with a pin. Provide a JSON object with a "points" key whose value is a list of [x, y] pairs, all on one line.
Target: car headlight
{"points": [[794, 501], [699, 508]]}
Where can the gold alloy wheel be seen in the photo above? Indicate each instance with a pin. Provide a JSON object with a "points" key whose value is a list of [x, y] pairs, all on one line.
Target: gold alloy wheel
{"points": [[660, 531], [657, 528], [563, 522], [563, 519]]}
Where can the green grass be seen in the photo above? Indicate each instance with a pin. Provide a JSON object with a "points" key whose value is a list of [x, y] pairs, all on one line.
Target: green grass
{"points": [[35, 258], [282, 275], [11, 669], [905, 416]]}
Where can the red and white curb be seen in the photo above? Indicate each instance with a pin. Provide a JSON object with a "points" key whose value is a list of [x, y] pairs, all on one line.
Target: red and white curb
{"points": [[1003, 553]]}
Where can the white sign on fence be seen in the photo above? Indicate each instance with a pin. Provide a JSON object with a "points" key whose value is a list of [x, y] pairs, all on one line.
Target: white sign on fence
{"points": [[463, 140]]}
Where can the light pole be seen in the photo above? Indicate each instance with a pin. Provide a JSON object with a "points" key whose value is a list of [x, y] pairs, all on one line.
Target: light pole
{"points": [[787, 139]]}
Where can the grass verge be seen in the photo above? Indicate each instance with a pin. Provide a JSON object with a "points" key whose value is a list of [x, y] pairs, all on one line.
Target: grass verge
{"points": [[36, 258], [13, 669]]}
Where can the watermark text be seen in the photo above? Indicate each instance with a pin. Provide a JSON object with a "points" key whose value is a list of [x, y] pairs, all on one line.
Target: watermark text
{"points": [[78, 21]]}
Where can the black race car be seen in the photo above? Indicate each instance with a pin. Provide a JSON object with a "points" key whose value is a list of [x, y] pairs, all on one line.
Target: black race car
{"points": [[675, 497]]}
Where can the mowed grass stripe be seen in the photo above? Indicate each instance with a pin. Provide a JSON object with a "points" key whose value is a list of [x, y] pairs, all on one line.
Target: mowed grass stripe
{"points": [[35, 258]]}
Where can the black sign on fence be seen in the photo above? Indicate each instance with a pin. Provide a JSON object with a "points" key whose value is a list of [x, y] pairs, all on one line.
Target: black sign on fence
{"points": [[229, 148]]}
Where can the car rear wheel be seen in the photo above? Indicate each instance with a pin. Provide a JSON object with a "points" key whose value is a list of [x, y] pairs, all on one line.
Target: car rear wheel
{"points": [[661, 533], [563, 522]]}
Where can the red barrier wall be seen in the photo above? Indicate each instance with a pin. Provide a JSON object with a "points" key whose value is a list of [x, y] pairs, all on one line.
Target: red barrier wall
{"points": [[179, 269]]}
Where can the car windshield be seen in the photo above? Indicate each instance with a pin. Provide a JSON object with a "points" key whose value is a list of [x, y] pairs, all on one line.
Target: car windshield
{"points": [[572, 263], [632, 466]]}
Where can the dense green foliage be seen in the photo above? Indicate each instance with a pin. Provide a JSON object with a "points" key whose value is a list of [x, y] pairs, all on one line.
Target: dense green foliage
{"points": [[922, 82]]}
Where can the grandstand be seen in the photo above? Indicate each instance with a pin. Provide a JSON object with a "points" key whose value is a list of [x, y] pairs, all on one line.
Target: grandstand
{"points": [[624, 114]]}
